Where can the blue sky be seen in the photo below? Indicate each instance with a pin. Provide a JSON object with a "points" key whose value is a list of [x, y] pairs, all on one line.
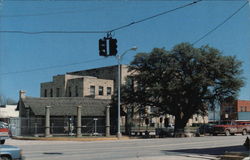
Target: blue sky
{"points": [[26, 60]]}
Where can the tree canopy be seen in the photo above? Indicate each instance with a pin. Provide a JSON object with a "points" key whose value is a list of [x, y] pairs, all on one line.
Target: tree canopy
{"points": [[183, 81]]}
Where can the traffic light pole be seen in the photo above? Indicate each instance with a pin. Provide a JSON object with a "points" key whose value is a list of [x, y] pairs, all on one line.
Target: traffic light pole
{"points": [[119, 135], [119, 57]]}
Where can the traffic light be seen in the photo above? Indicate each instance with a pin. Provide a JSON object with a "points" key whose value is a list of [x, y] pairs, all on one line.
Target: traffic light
{"points": [[103, 47], [112, 47]]}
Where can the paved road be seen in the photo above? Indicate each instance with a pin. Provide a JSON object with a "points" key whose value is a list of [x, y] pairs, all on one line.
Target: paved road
{"points": [[139, 149]]}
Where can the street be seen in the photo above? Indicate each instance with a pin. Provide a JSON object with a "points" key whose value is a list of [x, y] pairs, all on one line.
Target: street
{"points": [[208, 147]]}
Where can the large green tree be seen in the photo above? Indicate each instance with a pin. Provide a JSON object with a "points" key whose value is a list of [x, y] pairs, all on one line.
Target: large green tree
{"points": [[183, 81]]}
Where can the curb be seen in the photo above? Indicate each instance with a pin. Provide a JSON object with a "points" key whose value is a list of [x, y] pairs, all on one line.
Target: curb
{"points": [[70, 138]]}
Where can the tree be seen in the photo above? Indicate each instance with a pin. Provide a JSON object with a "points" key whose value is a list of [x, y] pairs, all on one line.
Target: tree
{"points": [[184, 81], [6, 101]]}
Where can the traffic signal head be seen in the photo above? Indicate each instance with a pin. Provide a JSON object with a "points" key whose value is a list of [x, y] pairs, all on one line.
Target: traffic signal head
{"points": [[103, 47], [112, 47]]}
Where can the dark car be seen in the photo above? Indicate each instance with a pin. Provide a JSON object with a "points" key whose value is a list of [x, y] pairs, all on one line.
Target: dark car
{"points": [[205, 129], [167, 131], [8, 152]]}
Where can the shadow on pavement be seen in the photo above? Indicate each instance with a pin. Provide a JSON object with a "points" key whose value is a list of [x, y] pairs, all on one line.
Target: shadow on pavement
{"points": [[209, 151]]}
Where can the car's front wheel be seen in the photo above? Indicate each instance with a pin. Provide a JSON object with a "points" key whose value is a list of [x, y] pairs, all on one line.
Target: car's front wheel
{"points": [[5, 157], [244, 132]]}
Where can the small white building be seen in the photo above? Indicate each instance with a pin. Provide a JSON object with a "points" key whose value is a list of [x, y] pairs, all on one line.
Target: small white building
{"points": [[8, 111]]}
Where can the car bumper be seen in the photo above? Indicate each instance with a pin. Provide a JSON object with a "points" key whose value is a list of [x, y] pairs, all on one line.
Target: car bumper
{"points": [[3, 137]]}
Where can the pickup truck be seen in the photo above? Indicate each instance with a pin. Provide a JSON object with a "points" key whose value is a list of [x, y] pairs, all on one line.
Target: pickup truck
{"points": [[8, 152], [231, 128], [4, 132]]}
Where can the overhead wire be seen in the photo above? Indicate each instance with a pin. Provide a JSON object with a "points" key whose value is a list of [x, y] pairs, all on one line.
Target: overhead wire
{"points": [[121, 0], [51, 67], [154, 16], [107, 31], [115, 29], [52, 32], [220, 24], [76, 32]]}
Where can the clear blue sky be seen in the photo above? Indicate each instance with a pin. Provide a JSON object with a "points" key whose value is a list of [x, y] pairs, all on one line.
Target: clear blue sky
{"points": [[25, 57]]}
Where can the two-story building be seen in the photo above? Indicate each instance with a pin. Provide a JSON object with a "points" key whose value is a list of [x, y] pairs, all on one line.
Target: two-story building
{"points": [[238, 110]]}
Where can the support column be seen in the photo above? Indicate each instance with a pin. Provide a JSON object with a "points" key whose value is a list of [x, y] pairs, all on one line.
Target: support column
{"points": [[47, 121], [108, 121], [79, 121]]}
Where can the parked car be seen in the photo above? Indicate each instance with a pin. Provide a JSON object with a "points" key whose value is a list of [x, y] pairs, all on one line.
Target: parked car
{"points": [[8, 152], [4, 132], [231, 128], [167, 131], [205, 129]]}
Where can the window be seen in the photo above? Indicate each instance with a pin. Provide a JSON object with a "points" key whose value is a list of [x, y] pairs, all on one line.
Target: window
{"points": [[243, 108], [69, 92], [92, 90], [196, 119], [51, 92], [45, 93], [76, 91], [108, 91], [100, 90], [57, 92]]}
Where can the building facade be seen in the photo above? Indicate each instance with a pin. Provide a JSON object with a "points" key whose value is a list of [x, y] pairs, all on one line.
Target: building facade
{"points": [[77, 86], [63, 115], [238, 110]]}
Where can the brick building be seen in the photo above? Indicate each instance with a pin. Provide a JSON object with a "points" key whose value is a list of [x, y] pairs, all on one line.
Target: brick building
{"points": [[238, 110]]}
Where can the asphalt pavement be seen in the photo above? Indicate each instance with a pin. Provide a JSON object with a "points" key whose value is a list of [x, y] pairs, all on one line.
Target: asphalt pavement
{"points": [[194, 148]]}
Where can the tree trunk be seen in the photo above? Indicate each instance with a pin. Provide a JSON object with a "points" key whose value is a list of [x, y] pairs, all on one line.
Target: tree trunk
{"points": [[180, 123]]}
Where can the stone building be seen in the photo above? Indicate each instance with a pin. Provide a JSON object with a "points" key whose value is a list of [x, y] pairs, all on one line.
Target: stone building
{"points": [[109, 72], [69, 85], [63, 115]]}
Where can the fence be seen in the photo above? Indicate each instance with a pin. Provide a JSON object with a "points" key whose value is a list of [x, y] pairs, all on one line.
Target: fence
{"points": [[58, 126]]}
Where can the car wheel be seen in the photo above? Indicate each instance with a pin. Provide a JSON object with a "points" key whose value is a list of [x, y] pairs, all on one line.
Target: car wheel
{"points": [[5, 158], [2, 141], [227, 133], [244, 132]]}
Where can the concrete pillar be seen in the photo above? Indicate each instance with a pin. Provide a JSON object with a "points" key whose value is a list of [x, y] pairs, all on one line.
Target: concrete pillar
{"points": [[108, 121], [47, 121], [79, 121]]}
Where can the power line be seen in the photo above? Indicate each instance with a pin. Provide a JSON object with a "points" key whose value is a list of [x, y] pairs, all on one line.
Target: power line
{"points": [[50, 67], [219, 25], [52, 32], [154, 16], [108, 31], [116, 0]]}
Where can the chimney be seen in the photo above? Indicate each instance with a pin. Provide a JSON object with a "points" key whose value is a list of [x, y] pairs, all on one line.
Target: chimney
{"points": [[22, 94]]}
